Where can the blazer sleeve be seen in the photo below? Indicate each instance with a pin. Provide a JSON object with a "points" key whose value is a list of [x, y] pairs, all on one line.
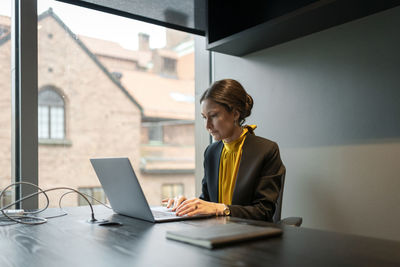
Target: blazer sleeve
{"points": [[204, 190], [267, 187]]}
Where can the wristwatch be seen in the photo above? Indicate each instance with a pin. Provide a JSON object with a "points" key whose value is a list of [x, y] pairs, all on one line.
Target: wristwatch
{"points": [[227, 211]]}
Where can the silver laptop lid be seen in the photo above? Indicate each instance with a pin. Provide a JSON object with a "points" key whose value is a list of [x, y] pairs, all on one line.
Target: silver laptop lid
{"points": [[122, 187]]}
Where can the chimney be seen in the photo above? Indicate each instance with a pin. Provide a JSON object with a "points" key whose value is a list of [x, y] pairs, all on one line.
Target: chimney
{"points": [[144, 44]]}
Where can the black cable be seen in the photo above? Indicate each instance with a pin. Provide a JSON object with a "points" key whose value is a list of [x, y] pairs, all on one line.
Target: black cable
{"points": [[105, 205], [16, 218], [40, 219]]}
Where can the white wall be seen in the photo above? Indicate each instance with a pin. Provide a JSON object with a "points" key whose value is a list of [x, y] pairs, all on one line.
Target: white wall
{"points": [[332, 102]]}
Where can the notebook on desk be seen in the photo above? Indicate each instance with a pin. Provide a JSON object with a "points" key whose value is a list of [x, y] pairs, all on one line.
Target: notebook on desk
{"points": [[125, 194], [223, 234]]}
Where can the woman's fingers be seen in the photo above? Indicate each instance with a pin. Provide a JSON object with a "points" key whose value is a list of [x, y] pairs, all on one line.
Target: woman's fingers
{"points": [[197, 206], [187, 209], [195, 212], [178, 202], [186, 206], [192, 207], [170, 203], [185, 203], [173, 202]]}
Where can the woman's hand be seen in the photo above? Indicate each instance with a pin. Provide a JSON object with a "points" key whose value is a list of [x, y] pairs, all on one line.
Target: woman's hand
{"points": [[196, 206], [174, 202]]}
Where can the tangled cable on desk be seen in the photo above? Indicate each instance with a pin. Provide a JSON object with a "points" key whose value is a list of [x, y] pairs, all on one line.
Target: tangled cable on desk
{"points": [[28, 218]]}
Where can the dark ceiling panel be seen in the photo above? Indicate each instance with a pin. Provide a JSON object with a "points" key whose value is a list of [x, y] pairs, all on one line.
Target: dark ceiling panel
{"points": [[184, 15], [244, 28]]}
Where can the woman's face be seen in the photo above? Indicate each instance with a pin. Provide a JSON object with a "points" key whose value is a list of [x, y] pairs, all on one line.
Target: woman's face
{"points": [[218, 121]]}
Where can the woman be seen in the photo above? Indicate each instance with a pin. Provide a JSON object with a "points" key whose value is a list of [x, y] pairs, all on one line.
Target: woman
{"points": [[242, 172]]}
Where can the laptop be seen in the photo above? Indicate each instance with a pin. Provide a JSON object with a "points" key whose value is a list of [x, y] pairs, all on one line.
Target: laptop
{"points": [[125, 194]]}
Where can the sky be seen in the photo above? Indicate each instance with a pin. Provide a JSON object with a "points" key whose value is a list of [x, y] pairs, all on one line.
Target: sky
{"points": [[97, 24]]}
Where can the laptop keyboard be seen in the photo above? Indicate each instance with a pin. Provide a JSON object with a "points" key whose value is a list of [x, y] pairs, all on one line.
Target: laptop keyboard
{"points": [[158, 214]]}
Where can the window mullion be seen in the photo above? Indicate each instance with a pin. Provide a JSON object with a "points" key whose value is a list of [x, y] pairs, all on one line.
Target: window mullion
{"points": [[24, 81]]}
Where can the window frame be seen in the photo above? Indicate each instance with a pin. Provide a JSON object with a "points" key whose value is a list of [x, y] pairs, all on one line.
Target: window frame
{"points": [[24, 100]]}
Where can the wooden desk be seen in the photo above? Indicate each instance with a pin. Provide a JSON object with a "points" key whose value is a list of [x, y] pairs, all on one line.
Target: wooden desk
{"points": [[71, 241]]}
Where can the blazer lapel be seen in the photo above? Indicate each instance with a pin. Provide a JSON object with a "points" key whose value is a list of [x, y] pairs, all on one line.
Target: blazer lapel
{"points": [[244, 167]]}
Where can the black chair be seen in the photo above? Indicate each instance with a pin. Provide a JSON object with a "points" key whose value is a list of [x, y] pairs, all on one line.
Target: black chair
{"points": [[292, 221]]}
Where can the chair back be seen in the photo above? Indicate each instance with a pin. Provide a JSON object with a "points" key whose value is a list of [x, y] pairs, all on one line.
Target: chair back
{"points": [[278, 206]]}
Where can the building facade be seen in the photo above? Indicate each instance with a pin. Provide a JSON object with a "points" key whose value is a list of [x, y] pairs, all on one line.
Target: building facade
{"points": [[91, 105]]}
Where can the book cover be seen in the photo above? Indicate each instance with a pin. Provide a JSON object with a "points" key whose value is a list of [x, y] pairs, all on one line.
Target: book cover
{"points": [[222, 234]]}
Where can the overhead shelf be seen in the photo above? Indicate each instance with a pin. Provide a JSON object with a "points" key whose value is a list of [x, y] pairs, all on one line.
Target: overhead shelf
{"points": [[276, 22]]}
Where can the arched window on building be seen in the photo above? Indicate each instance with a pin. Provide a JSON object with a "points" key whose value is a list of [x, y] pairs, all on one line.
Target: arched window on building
{"points": [[51, 115]]}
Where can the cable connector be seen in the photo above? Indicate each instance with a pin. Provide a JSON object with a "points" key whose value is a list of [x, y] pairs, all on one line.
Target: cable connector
{"points": [[14, 212]]}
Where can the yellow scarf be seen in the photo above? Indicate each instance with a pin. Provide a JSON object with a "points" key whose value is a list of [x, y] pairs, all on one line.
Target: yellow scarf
{"points": [[229, 165]]}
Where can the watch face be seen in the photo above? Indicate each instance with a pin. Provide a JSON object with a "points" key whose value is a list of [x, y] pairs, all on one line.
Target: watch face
{"points": [[227, 211]]}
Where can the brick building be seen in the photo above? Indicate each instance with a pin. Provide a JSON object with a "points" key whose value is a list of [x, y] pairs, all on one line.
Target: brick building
{"points": [[97, 99]]}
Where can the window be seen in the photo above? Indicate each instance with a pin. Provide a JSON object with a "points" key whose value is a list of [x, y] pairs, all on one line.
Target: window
{"points": [[169, 65], [155, 132], [51, 115], [95, 192], [171, 190]]}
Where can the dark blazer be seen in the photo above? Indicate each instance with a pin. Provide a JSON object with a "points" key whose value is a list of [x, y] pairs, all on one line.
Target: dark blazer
{"points": [[258, 182]]}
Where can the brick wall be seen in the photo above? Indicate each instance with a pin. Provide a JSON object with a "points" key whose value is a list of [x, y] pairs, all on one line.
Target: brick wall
{"points": [[185, 67], [179, 134]]}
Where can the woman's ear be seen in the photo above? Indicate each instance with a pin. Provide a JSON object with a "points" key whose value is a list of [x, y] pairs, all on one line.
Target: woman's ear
{"points": [[236, 115]]}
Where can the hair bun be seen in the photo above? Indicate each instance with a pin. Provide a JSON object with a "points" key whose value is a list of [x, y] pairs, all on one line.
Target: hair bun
{"points": [[249, 104]]}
